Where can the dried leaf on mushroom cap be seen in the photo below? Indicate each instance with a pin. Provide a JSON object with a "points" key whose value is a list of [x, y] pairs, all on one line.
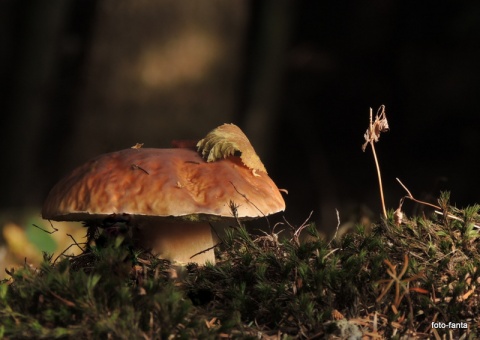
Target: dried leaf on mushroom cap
{"points": [[225, 141]]}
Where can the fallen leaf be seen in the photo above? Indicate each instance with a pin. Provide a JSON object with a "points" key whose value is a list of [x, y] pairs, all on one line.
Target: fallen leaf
{"points": [[228, 140]]}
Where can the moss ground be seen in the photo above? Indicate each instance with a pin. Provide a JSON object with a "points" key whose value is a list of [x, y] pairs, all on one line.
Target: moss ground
{"points": [[391, 282]]}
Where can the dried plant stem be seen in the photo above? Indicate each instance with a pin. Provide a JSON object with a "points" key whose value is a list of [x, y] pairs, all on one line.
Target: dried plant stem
{"points": [[437, 211], [371, 136], [410, 196], [379, 179]]}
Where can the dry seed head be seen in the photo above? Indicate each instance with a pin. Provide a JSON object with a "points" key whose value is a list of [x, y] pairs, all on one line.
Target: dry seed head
{"points": [[376, 127]]}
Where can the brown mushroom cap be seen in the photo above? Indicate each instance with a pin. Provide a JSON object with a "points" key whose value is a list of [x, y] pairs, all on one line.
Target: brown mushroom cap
{"points": [[162, 182]]}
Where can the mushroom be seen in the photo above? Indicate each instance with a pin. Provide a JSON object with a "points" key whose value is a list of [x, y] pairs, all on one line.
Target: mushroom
{"points": [[170, 195]]}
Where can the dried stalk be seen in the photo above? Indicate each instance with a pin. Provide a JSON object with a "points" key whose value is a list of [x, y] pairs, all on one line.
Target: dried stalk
{"points": [[373, 135]]}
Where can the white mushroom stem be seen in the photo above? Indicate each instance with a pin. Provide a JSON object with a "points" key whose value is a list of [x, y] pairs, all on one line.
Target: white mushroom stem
{"points": [[178, 241]]}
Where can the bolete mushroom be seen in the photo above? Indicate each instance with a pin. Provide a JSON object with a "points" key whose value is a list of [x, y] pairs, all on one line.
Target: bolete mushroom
{"points": [[171, 195]]}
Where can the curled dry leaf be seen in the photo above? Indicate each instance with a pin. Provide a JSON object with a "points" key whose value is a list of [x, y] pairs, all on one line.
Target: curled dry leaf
{"points": [[398, 214], [376, 127], [228, 140]]}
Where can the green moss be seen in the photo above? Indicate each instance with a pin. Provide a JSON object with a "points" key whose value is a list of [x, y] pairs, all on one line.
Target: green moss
{"points": [[101, 299], [399, 276]]}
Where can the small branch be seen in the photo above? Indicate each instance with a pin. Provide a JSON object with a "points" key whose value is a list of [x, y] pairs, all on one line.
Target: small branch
{"points": [[48, 232], [75, 243], [404, 187], [297, 233], [410, 196], [437, 208], [246, 198], [205, 250]]}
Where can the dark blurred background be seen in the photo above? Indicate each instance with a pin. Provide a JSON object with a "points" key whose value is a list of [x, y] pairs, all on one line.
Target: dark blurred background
{"points": [[81, 77]]}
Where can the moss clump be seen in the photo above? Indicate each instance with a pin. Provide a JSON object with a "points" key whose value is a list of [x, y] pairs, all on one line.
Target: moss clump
{"points": [[391, 282], [105, 293]]}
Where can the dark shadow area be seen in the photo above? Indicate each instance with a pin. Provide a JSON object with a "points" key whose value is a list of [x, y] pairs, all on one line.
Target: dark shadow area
{"points": [[80, 78]]}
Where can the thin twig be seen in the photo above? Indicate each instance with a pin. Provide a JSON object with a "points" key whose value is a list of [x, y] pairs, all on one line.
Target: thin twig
{"points": [[453, 217], [437, 211], [75, 243], [372, 135], [246, 198], [303, 226], [336, 230], [48, 232], [410, 196], [258, 209], [379, 180], [404, 187], [205, 250]]}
